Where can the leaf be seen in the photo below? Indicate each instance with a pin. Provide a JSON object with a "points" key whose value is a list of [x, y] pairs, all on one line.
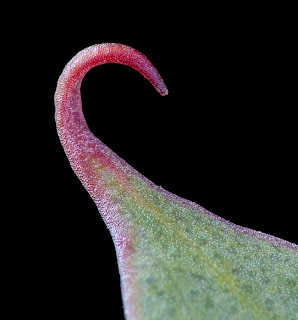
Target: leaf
{"points": [[176, 259]]}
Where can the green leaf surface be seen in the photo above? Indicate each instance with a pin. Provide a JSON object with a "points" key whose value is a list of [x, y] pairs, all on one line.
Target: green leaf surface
{"points": [[188, 264]]}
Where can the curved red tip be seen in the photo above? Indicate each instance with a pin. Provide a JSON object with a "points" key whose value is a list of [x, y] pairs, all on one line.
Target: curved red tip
{"points": [[70, 80], [79, 143]]}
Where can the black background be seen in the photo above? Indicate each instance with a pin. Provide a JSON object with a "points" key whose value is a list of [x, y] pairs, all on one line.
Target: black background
{"points": [[223, 137]]}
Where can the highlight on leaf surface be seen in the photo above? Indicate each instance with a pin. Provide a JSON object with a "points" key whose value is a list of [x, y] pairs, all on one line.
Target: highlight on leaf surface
{"points": [[176, 259]]}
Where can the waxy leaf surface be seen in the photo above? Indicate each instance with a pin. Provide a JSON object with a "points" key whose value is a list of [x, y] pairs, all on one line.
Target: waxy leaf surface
{"points": [[176, 259]]}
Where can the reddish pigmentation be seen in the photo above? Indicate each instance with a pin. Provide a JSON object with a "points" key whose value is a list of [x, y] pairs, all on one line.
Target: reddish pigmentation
{"points": [[79, 143]]}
